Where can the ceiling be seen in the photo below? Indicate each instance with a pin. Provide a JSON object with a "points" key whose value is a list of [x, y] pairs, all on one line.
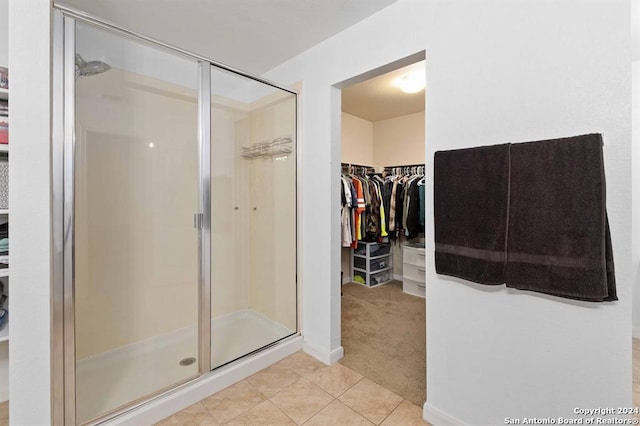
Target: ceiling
{"points": [[379, 99], [250, 35]]}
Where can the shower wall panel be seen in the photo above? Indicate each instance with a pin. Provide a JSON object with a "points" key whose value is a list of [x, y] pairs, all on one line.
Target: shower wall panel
{"points": [[273, 223], [229, 212], [136, 174]]}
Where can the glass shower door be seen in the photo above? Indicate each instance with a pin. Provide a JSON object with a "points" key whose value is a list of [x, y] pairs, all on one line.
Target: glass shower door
{"points": [[253, 210], [136, 247]]}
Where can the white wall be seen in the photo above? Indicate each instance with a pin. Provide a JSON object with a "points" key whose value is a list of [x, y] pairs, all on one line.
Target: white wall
{"points": [[497, 71], [635, 34], [399, 140], [357, 140], [30, 202]]}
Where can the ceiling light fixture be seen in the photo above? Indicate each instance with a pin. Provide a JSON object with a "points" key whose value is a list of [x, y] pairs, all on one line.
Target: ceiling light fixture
{"points": [[411, 83]]}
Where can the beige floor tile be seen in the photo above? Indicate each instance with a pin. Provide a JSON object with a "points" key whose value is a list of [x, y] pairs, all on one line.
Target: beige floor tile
{"points": [[337, 413], [371, 400], [233, 401], [407, 414], [265, 413], [4, 410], [335, 379], [273, 379], [195, 415], [301, 400], [302, 363]]}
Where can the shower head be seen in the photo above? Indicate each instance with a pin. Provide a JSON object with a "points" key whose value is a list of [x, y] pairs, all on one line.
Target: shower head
{"points": [[86, 69]]}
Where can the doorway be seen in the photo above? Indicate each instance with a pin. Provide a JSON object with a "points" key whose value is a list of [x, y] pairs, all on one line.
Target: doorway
{"points": [[382, 227]]}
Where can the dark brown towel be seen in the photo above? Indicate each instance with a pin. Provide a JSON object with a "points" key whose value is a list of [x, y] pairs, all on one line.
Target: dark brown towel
{"points": [[532, 215], [559, 240], [470, 208]]}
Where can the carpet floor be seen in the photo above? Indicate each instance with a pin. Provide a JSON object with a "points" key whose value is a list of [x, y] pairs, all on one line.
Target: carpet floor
{"points": [[384, 338]]}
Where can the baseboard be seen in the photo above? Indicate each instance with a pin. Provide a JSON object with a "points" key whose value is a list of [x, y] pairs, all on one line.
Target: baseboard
{"points": [[397, 277], [437, 417], [636, 332], [323, 355], [202, 387], [336, 355], [346, 280]]}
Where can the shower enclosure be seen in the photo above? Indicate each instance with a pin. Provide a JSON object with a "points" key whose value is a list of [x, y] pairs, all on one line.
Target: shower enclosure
{"points": [[178, 216]]}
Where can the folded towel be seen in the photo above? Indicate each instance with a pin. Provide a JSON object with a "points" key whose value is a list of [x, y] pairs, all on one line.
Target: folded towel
{"points": [[559, 240], [531, 215], [470, 209]]}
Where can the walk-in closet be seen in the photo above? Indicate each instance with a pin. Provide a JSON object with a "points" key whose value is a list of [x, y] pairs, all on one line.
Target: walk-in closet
{"points": [[383, 229]]}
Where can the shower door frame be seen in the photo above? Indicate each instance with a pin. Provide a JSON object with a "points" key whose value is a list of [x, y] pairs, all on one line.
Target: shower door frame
{"points": [[63, 359]]}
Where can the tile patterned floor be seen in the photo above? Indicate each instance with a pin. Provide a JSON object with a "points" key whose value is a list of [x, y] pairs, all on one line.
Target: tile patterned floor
{"points": [[301, 390], [636, 372], [4, 413]]}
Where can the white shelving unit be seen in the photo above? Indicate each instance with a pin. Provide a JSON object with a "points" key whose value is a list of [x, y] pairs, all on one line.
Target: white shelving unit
{"points": [[4, 96], [4, 217], [372, 264], [4, 276]]}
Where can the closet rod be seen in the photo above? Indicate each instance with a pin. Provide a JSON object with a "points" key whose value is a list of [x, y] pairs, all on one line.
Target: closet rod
{"points": [[405, 165]]}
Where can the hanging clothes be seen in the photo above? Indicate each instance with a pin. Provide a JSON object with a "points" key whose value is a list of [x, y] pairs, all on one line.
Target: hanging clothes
{"points": [[404, 188], [346, 218], [421, 185], [367, 215]]}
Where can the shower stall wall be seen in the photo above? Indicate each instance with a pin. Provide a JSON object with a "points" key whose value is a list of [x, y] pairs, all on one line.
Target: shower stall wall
{"points": [[180, 242]]}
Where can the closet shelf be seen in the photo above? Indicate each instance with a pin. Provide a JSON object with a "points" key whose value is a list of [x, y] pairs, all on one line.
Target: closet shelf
{"points": [[4, 211], [373, 272], [4, 273], [4, 147], [364, 256], [4, 94]]}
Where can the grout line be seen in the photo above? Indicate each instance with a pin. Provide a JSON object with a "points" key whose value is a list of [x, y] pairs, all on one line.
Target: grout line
{"points": [[393, 411], [346, 390]]}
